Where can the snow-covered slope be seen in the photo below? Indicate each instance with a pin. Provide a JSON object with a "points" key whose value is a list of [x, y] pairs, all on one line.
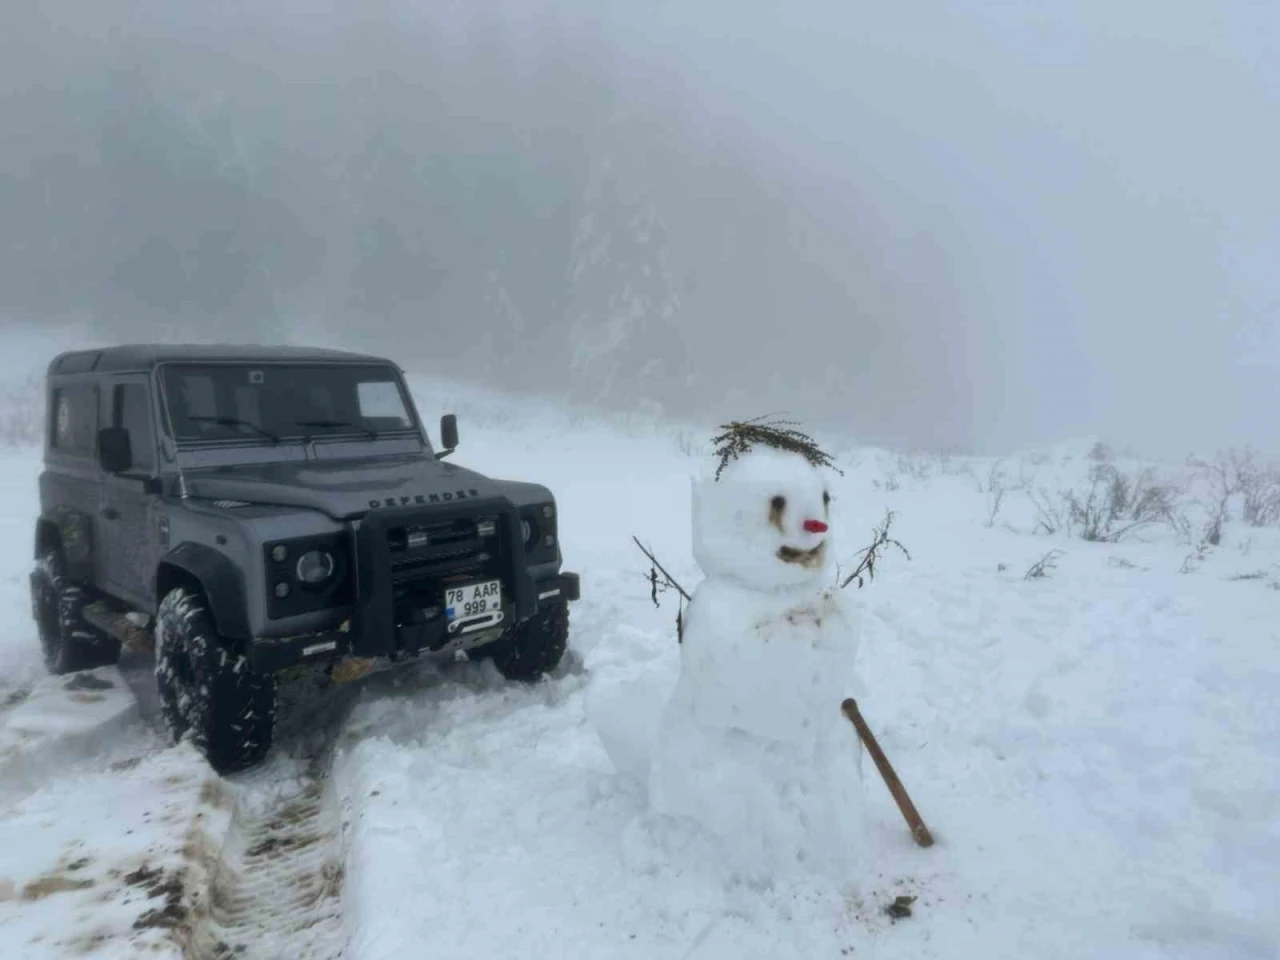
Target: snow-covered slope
{"points": [[1097, 752]]}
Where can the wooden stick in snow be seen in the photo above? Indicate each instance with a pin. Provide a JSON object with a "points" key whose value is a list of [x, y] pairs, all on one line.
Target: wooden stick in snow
{"points": [[909, 813]]}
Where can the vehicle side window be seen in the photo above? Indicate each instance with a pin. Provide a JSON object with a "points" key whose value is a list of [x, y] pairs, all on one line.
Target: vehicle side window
{"points": [[131, 409], [75, 419]]}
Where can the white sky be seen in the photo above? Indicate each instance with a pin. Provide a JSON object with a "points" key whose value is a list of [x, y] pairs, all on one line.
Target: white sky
{"points": [[1101, 180]]}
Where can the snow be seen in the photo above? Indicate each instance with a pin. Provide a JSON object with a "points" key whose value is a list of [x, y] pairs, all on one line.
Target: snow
{"points": [[1097, 753], [62, 718], [95, 862]]}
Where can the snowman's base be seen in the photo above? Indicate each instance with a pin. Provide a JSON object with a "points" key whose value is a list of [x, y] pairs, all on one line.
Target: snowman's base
{"points": [[775, 812]]}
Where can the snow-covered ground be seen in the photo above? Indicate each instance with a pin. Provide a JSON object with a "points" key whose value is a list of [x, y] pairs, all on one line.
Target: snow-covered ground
{"points": [[1097, 752]]}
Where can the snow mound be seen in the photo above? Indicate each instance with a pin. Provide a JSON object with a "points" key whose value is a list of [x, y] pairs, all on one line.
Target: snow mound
{"points": [[632, 680], [62, 718], [110, 864]]}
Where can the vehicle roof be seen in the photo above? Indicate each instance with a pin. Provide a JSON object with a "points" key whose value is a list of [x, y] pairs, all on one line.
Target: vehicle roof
{"points": [[132, 358]]}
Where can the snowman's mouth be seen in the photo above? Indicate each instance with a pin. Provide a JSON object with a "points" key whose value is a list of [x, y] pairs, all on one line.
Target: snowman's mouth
{"points": [[805, 558]]}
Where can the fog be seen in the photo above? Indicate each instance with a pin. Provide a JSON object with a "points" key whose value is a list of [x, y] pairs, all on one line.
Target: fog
{"points": [[968, 229]]}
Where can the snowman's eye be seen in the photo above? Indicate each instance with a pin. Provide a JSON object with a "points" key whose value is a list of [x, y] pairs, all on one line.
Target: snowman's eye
{"points": [[776, 507]]}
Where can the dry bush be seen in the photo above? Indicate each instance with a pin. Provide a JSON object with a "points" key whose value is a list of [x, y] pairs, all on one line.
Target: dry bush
{"points": [[1101, 453], [998, 486], [1113, 506], [916, 466], [1116, 505], [1237, 476], [1044, 566], [870, 555], [995, 488], [1049, 515], [1260, 492]]}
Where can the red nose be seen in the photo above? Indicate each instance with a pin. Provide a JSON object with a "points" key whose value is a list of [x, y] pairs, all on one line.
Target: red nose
{"points": [[815, 526]]}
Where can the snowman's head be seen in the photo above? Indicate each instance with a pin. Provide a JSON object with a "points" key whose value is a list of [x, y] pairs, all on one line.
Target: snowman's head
{"points": [[765, 522]]}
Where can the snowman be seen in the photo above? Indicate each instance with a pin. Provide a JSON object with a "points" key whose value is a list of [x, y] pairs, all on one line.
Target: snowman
{"points": [[752, 746]]}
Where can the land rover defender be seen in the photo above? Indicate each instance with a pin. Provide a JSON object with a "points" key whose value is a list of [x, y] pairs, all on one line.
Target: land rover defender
{"points": [[246, 510]]}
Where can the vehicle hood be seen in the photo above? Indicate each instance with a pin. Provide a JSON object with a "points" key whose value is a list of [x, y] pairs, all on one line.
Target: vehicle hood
{"points": [[348, 490]]}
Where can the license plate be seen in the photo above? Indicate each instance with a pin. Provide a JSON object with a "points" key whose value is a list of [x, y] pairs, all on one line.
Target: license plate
{"points": [[473, 600]]}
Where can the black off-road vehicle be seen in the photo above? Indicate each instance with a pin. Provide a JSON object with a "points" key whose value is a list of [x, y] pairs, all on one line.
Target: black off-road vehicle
{"points": [[248, 510]]}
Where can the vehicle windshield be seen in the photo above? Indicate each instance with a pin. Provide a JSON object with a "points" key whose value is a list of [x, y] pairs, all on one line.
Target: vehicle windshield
{"points": [[271, 402]]}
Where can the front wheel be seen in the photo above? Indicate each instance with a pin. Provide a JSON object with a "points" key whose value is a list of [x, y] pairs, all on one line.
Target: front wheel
{"points": [[532, 648], [207, 690]]}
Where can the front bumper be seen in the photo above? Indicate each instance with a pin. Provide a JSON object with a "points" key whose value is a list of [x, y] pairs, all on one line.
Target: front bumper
{"points": [[428, 637]]}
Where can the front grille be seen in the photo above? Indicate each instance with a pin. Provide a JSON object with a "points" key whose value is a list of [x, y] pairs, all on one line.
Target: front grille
{"points": [[408, 557], [411, 537], [427, 554], [437, 562]]}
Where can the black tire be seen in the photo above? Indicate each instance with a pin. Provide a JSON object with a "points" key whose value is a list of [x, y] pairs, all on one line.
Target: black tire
{"points": [[68, 640], [531, 649], [207, 691]]}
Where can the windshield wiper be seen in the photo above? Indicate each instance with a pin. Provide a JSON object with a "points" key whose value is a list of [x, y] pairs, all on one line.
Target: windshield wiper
{"points": [[238, 422], [369, 431]]}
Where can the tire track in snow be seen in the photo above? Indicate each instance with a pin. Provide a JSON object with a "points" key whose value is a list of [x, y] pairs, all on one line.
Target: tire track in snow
{"points": [[275, 887]]}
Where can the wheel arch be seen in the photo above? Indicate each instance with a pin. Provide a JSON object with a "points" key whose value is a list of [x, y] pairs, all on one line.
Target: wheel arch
{"points": [[48, 537], [211, 574], [68, 531]]}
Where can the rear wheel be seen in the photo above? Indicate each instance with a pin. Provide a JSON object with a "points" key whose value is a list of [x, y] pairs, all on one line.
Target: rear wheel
{"points": [[531, 649], [207, 691], [58, 603]]}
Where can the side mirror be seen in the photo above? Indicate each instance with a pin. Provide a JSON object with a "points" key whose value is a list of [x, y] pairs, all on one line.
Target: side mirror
{"points": [[448, 435], [115, 452]]}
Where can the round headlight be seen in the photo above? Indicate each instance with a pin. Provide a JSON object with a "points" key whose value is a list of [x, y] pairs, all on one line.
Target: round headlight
{"points": [[315, 567], [528, 530]]}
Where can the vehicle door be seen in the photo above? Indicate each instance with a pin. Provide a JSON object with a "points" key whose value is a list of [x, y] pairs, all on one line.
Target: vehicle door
{"points": [[71, 483], [129, 511]]}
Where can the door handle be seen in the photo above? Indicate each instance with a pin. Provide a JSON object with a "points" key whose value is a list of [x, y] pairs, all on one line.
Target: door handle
{"points": [[109, 513]]}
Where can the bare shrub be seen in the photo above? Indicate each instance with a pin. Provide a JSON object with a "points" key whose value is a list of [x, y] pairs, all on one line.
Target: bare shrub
{"points": [[1044, 566], [1223, 476], [870, 555], [1260, 488], [1049, 516], [1237, 475], [1191, 562], [1101, 453], [1255, 575], [890, 482], [916, 466], [1116, 505], [1113, 506], [996, 488]]}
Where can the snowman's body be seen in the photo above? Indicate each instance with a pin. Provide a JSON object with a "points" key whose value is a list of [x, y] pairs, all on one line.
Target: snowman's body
{"points": [[753, 744]]}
